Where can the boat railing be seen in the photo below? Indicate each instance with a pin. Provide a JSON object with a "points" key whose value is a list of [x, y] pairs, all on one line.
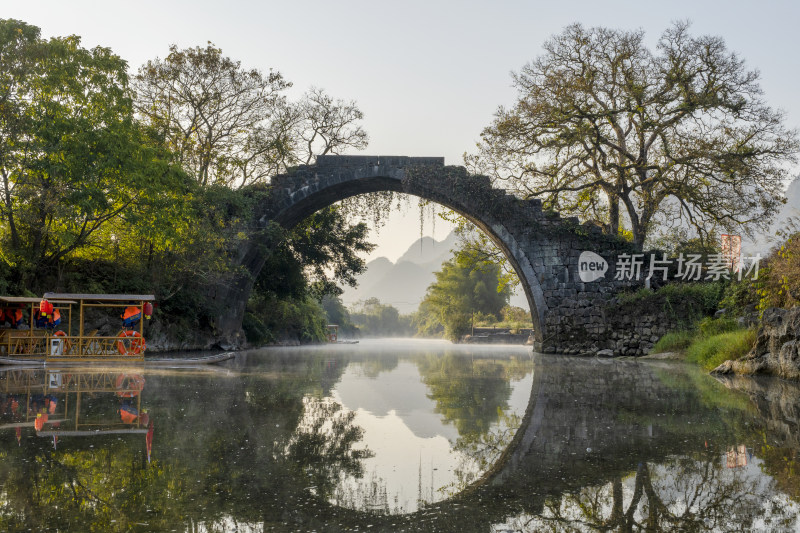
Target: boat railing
{"points": [[38, 343]]}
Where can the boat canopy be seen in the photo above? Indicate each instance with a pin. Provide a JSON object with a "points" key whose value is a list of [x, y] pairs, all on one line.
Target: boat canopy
{"points": [[26, 300], [100, 297]]}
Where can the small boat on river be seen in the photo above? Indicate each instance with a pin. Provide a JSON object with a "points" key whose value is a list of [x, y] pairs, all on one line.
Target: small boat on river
{"points": [[47, 336], [333, 335]]}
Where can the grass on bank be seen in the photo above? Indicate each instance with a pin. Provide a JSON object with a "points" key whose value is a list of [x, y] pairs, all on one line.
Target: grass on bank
{"points": [[674, 341], [711, 343], [710, 352], [705, 340]]}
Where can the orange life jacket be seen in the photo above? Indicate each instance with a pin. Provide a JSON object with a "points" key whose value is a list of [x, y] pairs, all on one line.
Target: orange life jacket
{"points": [[127, 417], [130, 311]]}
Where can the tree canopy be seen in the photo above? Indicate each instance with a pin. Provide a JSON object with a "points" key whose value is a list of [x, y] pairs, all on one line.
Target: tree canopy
{"points": [[608, 129], [107, 189], [232, 126], [72, 157], [468, 283]]}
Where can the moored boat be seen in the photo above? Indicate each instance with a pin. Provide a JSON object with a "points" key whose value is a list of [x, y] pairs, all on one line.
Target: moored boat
{"points": [[39, 332]]}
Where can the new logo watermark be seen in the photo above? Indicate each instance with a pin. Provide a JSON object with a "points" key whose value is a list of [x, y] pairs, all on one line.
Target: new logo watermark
{"points": [[591, 267], [689, 267]]}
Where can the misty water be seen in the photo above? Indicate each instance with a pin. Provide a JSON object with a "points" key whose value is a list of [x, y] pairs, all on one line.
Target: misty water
{"points": [[399, 435]]}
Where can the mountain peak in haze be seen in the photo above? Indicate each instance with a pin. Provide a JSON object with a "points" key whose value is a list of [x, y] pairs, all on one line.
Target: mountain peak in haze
{"points": [[427, 249], [403, 284]]}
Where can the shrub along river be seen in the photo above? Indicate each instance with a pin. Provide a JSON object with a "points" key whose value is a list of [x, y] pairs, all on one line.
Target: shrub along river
{"points": [[401, 435]]}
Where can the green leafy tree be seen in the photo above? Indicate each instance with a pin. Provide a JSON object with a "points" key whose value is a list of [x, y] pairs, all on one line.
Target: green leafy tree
{"points": [[337, 313], [72, 158], [467, 284], [327, 247], [377, 319], [605, 128], [479, 244], [306, 265]]}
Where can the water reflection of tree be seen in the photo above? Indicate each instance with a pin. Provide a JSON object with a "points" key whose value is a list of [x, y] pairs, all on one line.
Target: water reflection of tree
{"points": [[368, 495], [225, 450], [322, 446], [470, 393], [783, 464], [683, 494], [479, 451], [372, 367], [107, 488]]}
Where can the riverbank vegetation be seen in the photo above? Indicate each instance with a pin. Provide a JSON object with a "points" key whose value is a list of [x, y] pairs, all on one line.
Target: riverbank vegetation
{"points": [[710, 352], [375, 319], [147, 182], [709, 342], [468, 284], [731, 335], [684, 303]]}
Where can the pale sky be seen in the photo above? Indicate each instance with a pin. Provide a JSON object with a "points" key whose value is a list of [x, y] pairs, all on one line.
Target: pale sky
{"points": [[428, 75]]}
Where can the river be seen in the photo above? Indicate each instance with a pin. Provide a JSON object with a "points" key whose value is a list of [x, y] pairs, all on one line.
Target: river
{"points": [[398, 435]]}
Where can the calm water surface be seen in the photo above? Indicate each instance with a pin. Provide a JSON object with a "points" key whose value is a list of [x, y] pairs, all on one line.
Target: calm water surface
{"points": [[398, 436]]}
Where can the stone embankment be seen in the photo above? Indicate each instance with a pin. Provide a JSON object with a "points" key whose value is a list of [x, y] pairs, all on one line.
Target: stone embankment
{"points": [[632, 327], [777, 348], [498, 336], [634, 334]]}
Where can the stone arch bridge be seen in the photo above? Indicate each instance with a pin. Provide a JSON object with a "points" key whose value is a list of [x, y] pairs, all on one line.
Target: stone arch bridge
{"points": [[542, 247]]}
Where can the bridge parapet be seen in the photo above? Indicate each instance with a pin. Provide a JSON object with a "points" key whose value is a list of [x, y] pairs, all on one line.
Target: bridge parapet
{"points": [[327, 161]]}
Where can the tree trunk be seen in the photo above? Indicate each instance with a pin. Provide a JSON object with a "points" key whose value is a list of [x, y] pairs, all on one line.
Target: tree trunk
{"points": [[12, 226], [612, 228]]}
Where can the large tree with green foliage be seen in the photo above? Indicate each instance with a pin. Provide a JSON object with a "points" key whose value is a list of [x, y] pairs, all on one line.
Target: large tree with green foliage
{"points": [[610, 130], [72, 158], [466, 284], [306, 264]]}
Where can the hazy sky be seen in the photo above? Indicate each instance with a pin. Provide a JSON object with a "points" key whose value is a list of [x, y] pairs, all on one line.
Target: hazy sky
{"points": [[428, 75]]}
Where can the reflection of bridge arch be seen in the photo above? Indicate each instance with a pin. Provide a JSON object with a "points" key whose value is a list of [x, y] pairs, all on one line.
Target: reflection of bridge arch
{"points": [[566, 442], [542, 247]]}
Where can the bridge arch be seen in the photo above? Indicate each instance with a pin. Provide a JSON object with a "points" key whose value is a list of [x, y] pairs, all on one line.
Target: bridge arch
{"points": [[542, 247], [331, 190]]}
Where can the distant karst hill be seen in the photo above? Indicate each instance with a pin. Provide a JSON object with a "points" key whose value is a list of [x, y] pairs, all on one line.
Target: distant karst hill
{"points": [[403, 284]]}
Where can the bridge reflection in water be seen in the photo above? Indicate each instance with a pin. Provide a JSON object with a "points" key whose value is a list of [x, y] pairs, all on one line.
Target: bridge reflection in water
{"points": [[274, 440]]}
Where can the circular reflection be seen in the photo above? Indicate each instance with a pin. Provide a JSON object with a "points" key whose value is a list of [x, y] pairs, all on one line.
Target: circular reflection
{"points": [[409, 430]]}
